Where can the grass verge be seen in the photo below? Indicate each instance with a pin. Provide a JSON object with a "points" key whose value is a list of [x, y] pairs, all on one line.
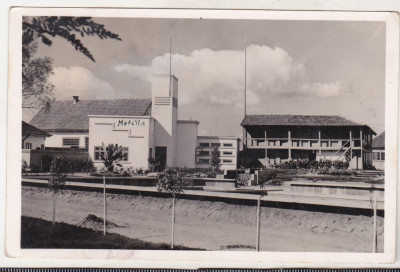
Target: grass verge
{"points": [[39, 233]]}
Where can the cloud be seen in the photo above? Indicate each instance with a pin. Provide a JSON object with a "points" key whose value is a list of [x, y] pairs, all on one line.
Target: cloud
{"points": [[79, 81], [322, 89], [207, 75], [138, 72]]}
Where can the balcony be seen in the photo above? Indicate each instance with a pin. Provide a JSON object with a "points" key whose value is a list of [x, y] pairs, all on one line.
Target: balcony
{"points": [[302, 143]]}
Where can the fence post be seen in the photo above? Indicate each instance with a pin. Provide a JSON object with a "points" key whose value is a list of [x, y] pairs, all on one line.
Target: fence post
{"points": [[54, 208], [375, 238], [258, 223], [41, 166], [173, 222], [105, 206]]}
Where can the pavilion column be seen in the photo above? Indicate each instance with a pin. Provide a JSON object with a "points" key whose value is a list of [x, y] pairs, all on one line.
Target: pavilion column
{"points": [[266, 146], [290, 145], [362, 153], [319, 144], [351, 139]]}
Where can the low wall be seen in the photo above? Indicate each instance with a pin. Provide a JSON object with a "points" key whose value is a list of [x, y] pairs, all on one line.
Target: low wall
{"points": [[133, 181], [26, 156], [40, 160], [335, 189], [379, 165], [220, 183]]}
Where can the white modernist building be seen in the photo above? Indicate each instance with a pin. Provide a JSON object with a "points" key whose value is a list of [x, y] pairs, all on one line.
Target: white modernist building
{"points": [[143, 127], [160, 135], [227, 148]]}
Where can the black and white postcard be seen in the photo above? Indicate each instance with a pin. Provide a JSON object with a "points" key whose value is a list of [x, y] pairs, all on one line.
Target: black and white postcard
{"points": [[203, 135]]}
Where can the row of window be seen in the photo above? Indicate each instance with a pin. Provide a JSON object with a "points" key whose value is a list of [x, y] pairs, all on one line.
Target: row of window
{"points": [[208, 161], [29, 146], [378, 156], [99, 153], [215, 144], [74, 142], [204, 153]]}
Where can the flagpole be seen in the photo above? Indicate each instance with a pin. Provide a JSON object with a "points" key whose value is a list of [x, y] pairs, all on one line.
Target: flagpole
{"points": [[170, 65], [245, 88], [245, 76]]}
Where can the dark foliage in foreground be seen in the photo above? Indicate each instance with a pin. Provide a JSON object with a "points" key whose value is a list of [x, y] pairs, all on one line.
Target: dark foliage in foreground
{"points": [[46, 28], [39, 233]]}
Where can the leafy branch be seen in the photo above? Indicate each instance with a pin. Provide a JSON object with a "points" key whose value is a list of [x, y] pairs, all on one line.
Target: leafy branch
{"points": [[68, 28]]}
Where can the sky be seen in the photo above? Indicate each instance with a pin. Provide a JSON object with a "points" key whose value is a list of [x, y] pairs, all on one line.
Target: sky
{"points": [[293, 67]]}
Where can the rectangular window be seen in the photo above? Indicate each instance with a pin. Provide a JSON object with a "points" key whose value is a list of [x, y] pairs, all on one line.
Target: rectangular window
{"points": [[71, 142], [98, 153], [228, 145], [227, 153], [204, 161], [42, 147], [87, 142], [204, 153], [205, 144], [227, 161], [375, 156], [126, 153], [382, 156], [215, 144], [28, 145]]}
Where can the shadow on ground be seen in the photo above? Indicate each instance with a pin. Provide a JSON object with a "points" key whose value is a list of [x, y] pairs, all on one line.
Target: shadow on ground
{"points": [[39, 233]]}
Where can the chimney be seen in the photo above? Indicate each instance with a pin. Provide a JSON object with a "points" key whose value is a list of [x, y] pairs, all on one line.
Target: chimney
{"points": [[76, 99]]}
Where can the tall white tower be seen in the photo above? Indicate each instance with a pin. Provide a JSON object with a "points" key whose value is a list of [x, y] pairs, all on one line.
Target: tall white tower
{"points": [[165, 112]]}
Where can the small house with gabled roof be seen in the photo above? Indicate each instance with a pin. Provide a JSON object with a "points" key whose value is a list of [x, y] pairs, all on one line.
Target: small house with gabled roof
{"points": [[271, 139], [378, 151], [33, 137]]}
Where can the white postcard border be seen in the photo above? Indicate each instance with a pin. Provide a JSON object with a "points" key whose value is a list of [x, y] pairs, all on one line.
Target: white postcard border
{"points": [[213, 258]]}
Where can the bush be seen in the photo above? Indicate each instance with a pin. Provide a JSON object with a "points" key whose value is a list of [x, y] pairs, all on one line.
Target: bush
{"points": [[24, 166], [112, 155], [172, 182], [139, 171], [155, 163], [88, 166], [266, 175], [312, 165], [58, 168], [336, 172], [243, 179]]}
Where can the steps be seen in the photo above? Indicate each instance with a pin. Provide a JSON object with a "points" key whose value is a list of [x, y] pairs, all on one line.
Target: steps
{"points": [[368, 175]]}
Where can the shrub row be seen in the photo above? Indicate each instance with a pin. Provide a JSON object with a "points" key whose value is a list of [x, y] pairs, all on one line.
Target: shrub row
{"points": [[311, 164]]}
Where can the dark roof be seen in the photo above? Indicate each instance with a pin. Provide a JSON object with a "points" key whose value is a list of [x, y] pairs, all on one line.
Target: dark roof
{"points": [[379, 141], [296, 120], [30, 130], [66, 116]]}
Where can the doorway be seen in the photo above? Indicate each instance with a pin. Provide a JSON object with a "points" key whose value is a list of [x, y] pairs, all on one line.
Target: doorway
{"points": [[161, 156]]}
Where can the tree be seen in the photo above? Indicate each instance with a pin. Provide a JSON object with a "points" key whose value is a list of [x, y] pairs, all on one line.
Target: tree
{"points": [[37, 91], [36, 87], [173, 183], [46, 27], [112, 154], [58, 168], [215, 160]]}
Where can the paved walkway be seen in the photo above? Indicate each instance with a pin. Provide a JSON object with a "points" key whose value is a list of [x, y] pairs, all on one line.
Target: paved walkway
{"points": [[274, 195]]}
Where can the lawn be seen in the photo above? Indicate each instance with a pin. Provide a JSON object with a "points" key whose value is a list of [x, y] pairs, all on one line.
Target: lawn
{"points": [[39, 233]]}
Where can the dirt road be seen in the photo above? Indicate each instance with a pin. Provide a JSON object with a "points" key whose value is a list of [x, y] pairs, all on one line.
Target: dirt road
{"points": [[209, 225]]}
